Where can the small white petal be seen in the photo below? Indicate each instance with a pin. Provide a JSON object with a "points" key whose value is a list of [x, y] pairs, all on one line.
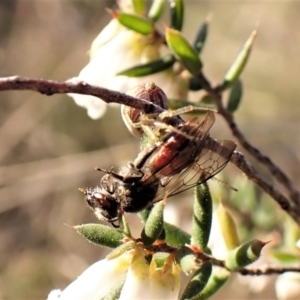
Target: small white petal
{"points": [[165, 281], [137, 283], [54, 295], [96, 281], [96, 108], [288, 286]]}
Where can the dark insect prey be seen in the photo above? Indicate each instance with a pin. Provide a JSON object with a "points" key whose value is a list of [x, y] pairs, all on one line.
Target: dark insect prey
{"points": [[182, 159]]}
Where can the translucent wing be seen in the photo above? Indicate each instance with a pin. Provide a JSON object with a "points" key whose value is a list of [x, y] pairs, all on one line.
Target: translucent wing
{"points": [[212, 159], [178, 150]]}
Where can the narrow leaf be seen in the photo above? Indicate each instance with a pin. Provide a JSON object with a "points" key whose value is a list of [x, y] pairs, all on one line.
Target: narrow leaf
{"points": [[217, 279], [194, 84], [244, 255], [235, 96], [228, 227], [202, 217], [139, 6], [137, 23], [101, 235], [156, 10], [154, 224], [183, 50], [239, 63], [201, 37], [198, 281], [176, 236], [153, 67], [177, 14]]}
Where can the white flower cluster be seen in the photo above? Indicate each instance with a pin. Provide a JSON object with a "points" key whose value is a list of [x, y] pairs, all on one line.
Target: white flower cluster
{"points": [[143, 281], [115, 49]]}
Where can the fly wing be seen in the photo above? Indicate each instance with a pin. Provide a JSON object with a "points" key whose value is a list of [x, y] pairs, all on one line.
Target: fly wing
{"points": [[213, 159], [179, 150]]}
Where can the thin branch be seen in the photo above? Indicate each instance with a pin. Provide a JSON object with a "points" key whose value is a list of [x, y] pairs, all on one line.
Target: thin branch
{"points": [[268, 271], [240, 161], [248, 272], [51, 87], [266, 161], [204, 257]]}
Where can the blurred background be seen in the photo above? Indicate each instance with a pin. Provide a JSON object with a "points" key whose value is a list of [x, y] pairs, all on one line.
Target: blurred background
{"points": [[49, 146]]}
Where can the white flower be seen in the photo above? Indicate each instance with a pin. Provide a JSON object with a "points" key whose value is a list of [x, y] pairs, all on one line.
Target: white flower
{"points": [[96, 281], [143, 281], [165, 281], [288, 286], [298, 244], [115, 49], [54, 295], [149, 282], [136, 285]]}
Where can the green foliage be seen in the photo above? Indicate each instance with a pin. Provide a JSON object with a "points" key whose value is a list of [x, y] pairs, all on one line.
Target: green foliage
{"points": [[183, 50], [152, 67], [137, 23]]}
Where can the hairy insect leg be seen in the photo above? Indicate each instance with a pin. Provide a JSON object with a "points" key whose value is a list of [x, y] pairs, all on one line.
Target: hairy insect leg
{"points": [[161, 125], [183, 110]]}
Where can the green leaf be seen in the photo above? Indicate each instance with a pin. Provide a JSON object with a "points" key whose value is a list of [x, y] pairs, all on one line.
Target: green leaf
{"points": [[137, 23], [177, 14], [187, 260], [285, 257], [235, 96], [198, 281], [239, 63], [217, 279], [194, 84], [115, 291], [201, 37], [156, 10], [176, 236], [244, 255], [160, 258], [139, 6], [154, 224], [202, 217], [207, 99], [153, 67], [228, 227], [183, 50], [101, 235], [121, 249], [144, 214]]}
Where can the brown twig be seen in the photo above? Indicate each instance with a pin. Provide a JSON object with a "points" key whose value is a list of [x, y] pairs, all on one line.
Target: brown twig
{"points": [[248, 272], [50, 87], [268, 271], [240, 161], [266, 161], [204, 257]]}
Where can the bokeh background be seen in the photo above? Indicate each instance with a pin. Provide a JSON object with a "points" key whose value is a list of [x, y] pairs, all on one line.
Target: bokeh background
{"points": [[49, 146]]}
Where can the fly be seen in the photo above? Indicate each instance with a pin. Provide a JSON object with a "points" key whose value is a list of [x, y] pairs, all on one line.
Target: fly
{"points": [[184, 158]]}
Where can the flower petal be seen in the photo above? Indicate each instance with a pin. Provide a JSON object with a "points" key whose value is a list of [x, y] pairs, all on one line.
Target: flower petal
{"points": [[96, 281], [288, 286], [137, 283]]}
